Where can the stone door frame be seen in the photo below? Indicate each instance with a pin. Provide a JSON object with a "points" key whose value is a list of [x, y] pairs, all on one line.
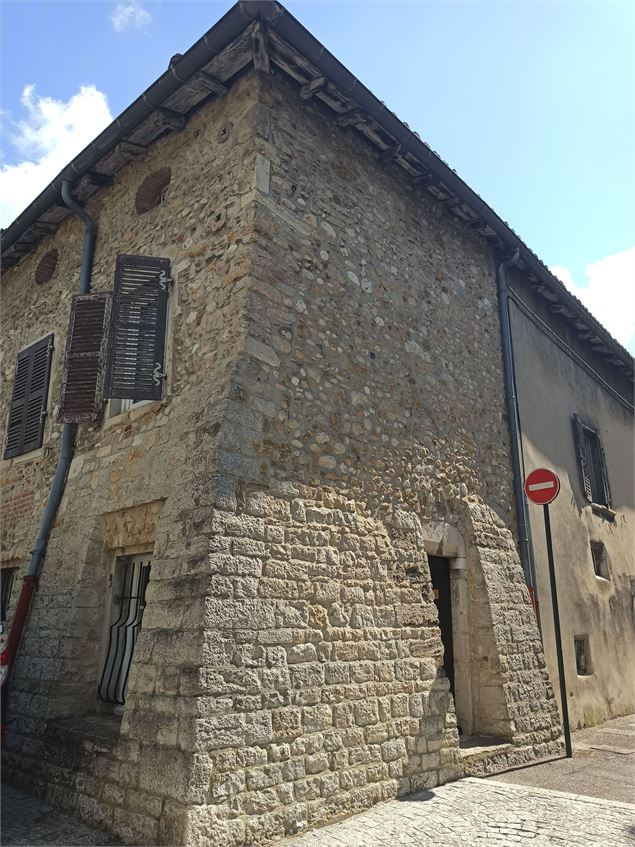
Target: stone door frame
{"points": [[442, 539]]}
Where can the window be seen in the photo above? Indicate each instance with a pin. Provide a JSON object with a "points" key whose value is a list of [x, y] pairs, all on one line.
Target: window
{"points": [[582, 655], [46, 267], [592, 463], [129, 583], [116, 344], [152, 190], [119, 406], [25, 424], [7, 576], [600, 564]]}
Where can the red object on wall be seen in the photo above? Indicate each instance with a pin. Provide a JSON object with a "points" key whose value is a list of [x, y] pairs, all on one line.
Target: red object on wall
{"points": [[542, 486]]}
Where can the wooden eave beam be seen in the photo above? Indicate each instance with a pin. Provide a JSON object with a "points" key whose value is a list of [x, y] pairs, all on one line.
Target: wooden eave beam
{"points": [[201, 79], [132, 150], [313, 87], [98, 179], [354, 117], [260, 48], [425, 179], [174, 121], [390, 153], [45, 227]]}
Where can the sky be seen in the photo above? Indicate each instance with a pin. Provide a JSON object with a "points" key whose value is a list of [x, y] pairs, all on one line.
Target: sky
{"points": [[531, 102]]}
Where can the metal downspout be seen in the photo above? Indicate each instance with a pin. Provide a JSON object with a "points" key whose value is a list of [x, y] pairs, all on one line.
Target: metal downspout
{"points": [[522, 517], [66, 451]]}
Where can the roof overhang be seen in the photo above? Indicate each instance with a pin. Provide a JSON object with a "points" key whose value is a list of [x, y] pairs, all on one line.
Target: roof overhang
{"points": [[262, 34]]}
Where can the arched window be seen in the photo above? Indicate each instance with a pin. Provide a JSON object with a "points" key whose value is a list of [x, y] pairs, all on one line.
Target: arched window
{"points": [[152, 190], [46, 267]]}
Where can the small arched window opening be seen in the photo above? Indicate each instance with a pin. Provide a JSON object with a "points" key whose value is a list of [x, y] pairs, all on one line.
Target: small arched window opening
{"points": [[152, 190], [46, 267]]}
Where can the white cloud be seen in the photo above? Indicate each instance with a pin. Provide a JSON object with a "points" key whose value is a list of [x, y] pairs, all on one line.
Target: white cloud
{"points": [[50, 135], [608, 292], [129, 14]]}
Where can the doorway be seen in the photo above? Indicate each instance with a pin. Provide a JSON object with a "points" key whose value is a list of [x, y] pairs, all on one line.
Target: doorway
{"points": [[440, 574]]}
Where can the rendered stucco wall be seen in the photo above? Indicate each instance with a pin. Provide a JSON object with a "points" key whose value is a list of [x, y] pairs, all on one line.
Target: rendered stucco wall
{"points": [[552, 387]]}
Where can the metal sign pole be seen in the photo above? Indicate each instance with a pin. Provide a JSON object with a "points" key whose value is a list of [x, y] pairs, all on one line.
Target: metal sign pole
{"points": [[556, 625]]}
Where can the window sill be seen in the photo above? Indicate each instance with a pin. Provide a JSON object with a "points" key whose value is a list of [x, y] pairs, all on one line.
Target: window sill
{"points": [[151, 407], [24, 457], [603, 511]]}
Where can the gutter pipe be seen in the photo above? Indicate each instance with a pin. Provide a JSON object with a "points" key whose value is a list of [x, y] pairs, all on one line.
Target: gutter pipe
{"points": [[522, 516], [65, 456]]}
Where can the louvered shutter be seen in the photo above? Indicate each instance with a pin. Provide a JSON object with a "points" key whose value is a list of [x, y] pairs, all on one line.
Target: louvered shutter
{"points": [[85, 359], [137, 340], [605, 477], [25, 425], [584, 460]]}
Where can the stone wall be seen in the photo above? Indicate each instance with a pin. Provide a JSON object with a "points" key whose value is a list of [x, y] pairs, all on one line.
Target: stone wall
{"points": [[334, 384], [372, 365], [141, 481]]}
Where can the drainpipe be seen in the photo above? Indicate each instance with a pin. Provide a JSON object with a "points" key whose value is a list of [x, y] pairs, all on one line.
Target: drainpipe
{"points": [[522, 517], [65, 456]]}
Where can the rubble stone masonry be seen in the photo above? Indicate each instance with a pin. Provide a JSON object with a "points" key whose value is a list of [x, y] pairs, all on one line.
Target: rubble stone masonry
{"points": [[334, 413]]}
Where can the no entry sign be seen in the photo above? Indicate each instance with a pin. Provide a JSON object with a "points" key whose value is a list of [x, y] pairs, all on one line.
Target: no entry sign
{"points": [[542, 486]]}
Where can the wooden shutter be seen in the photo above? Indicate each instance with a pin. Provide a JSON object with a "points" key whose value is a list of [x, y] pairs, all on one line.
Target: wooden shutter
{"points": [[137, 339], [25, 425], [605, 478], [584, 460], [85, 358]]}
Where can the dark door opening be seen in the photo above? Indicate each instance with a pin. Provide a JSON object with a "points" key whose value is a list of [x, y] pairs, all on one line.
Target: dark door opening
{"points": [[440, 573]]}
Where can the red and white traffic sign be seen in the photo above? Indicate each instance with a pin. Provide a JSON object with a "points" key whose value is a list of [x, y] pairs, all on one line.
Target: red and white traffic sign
{"points": [[542, 486]]}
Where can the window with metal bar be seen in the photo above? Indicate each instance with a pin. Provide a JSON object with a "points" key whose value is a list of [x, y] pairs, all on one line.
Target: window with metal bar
{"points": [[128, 602]]}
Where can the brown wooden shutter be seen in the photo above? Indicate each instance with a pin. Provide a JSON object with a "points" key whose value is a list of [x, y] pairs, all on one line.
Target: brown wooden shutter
{"points": [[584, 460], [137, 339], [605, 477], [25, 425], [85, 359]]}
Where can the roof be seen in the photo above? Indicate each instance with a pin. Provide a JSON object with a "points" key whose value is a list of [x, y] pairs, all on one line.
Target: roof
{"points": [[263, 34]]}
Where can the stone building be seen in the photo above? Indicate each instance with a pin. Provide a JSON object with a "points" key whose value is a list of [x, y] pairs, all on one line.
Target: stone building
{"points": [[282, 583]]}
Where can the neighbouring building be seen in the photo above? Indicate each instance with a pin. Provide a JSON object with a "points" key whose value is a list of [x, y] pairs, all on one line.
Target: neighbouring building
{"points": [[576, 416], [283, 581]]}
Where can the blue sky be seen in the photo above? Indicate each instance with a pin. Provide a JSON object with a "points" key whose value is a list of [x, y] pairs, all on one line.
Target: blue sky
{"points": [[533, 103]]}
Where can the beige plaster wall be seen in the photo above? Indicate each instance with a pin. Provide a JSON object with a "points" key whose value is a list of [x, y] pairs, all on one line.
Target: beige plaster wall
{"points": [[552, 387]]}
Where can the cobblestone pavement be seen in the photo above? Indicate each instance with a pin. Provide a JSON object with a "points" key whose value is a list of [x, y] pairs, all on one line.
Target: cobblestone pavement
{"points": [[29, 821], [482, 813], [603, 764], [522, 807]]}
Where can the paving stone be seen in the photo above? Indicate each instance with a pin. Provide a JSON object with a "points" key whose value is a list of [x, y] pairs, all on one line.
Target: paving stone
{"points": [[482, 812], [29, 821]]}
